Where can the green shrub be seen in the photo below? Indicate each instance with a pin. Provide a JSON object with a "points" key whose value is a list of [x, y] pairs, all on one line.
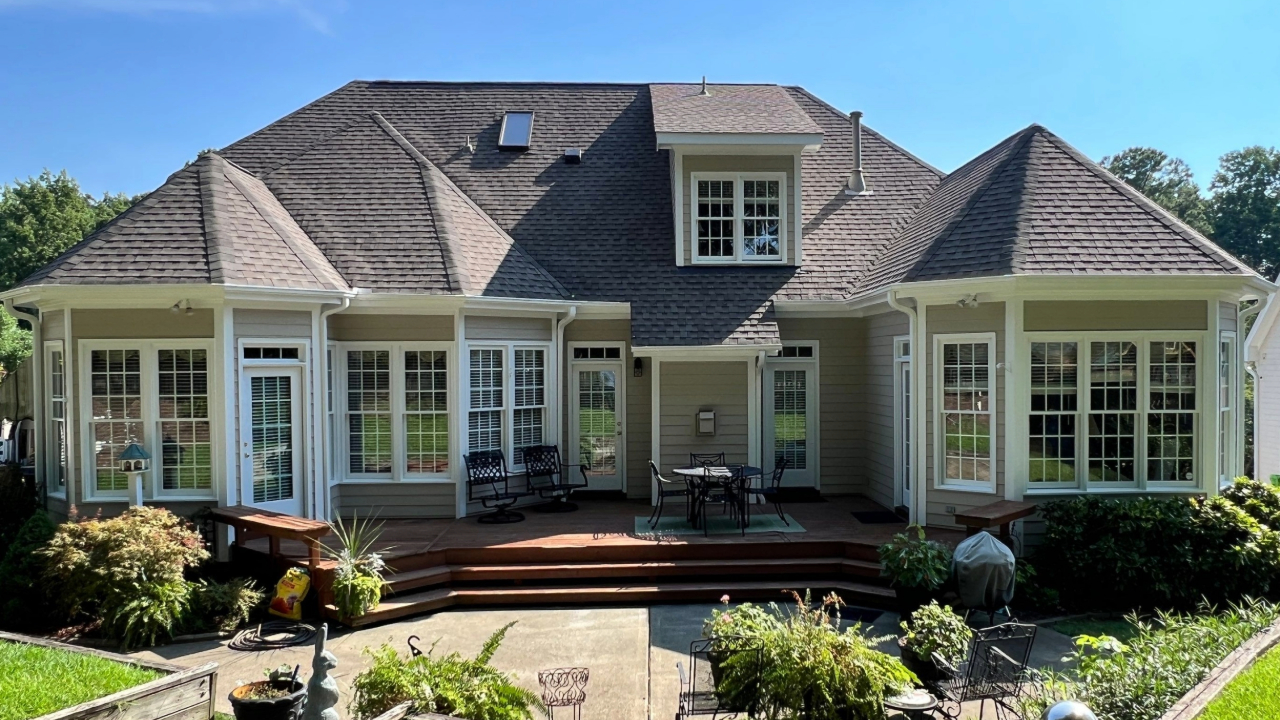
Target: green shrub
{"points": [[18, 502], [357, 580], [912, 561], [809, 668], [148, 613], [451, 685], [1032, 592], [21, 568], [935, 628], [1260, 500], [223, 606], [1143, 679]]}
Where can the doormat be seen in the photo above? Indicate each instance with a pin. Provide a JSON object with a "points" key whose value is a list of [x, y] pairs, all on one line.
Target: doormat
{"points": [[876, 517], [716, 525]]}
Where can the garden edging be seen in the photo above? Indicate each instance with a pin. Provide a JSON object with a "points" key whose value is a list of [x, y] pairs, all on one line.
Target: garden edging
{"points": [[1194, 702]]}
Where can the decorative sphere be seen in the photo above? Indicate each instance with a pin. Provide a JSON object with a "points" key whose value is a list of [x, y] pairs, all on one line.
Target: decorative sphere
{"points": [[1069, 710]]}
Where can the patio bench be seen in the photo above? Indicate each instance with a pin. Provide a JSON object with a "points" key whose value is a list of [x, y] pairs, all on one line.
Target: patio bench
{"points": [[997, 514], [252, 522]]}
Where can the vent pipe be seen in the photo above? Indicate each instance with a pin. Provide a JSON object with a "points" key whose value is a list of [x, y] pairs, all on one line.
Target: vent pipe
{"points": [[704, 92], [857, 183]]}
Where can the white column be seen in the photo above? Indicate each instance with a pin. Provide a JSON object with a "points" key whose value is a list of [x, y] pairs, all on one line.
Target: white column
{"points": [[655, 424]]}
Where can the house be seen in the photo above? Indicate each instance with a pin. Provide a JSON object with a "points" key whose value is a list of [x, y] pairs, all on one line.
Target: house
{"points": [[325, 316], [1262, 363]]}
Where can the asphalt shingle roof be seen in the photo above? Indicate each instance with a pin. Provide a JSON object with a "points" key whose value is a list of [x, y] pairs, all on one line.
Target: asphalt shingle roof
{"points": [[682, 108]]}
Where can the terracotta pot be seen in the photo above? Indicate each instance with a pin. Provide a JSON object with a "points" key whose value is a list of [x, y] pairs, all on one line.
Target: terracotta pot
{"points": [[288, 707]]}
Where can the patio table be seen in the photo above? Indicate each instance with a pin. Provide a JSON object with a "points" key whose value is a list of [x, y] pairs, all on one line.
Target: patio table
{"points": [[706, 477]]}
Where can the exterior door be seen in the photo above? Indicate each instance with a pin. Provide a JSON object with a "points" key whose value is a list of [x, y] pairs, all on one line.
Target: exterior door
{"points": [[272, 450], [597, 422], [790, 421]]}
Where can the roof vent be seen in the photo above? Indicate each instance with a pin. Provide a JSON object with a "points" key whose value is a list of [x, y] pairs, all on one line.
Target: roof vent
{"points": [[573, 156], [704, 91], [857, 183], [516, 132]]}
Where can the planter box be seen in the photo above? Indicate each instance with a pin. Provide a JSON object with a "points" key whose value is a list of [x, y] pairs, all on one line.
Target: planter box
{"points": [[1195, 701], [182, 694]]}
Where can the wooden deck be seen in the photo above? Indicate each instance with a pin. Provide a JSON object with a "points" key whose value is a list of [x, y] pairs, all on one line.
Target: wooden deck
{"points": [[594, 555]]}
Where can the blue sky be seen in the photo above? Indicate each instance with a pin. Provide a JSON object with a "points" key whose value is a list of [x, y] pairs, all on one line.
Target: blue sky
{"points": [[122, 92]]}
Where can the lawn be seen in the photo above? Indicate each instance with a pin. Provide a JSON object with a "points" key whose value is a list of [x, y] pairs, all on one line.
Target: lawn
{"points": [[1253, 695], [36, 680], [1117, 628]]}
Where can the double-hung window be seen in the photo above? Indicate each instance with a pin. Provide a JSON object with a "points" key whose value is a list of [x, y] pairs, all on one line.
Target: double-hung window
{"points": [[739, 217], [55, 384], [156, 394], [507, 404], [395, 400], [1226, 407], [966, 413]]}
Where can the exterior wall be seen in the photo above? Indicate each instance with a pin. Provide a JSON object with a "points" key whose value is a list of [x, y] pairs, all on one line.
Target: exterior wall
{"points": [[394, 499], [485, 327], [1069, 315], [878, 405], [744, 164], [686, 388], [272, 324], [942, 504], [1227, 314], [353, 327]]}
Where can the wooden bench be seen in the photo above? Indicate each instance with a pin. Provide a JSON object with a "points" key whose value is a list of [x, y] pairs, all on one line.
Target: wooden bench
{"points": [[252, 522], [1001, 513]]}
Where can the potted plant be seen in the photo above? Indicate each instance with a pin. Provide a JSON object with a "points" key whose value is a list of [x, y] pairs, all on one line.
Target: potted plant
{"points": [[917, 568], [933, 628], [357, 580], [280, 697]]}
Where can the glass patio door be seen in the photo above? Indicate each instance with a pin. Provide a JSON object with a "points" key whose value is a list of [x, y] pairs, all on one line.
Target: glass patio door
{"points": [[271, 439], [790, 422], [597, 423]]}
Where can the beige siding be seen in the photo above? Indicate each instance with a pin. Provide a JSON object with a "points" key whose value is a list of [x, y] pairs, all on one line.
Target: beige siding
{"points": [[140, 324], [272, 324], [878, 404], [1227, 316], [395, 499], [1267, 406], [743, 164], [390, 328], [688, 387], [950, 319], [488, 327], [53, 325], [1065, 315]]}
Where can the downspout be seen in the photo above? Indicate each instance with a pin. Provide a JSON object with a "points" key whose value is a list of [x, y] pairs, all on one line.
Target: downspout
{"points": [[561, 370], [37, 399], [326, 432], [1242, 315], [914, 476]]}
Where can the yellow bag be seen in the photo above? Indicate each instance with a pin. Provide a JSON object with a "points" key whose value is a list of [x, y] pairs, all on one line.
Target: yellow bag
{"points": [[290, 592]]}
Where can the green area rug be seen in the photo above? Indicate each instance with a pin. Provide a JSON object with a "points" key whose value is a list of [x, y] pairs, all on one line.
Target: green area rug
{"points": [[716, 525]]}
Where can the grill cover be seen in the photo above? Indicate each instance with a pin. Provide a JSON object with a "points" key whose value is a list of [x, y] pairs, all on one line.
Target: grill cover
{"points": [[984, 570]]}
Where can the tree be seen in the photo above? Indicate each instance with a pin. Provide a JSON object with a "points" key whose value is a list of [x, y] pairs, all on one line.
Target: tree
{"points": [[1245, 208], [15, 343], [1165, 180]]}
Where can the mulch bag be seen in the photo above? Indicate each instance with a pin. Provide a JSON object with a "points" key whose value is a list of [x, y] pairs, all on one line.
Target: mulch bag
{"points": [[290, 592], [984, 572]]}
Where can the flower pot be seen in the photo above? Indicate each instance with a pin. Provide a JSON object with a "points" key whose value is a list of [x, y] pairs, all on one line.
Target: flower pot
{"points": [[924, 669], [911, 599], [287, 707]]}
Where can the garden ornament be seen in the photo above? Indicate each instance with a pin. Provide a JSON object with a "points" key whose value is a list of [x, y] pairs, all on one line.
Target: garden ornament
{"points": [[1069, 710], [322, 690]]}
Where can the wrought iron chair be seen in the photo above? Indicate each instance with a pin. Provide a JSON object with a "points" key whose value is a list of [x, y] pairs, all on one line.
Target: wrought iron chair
{"points": [[548, 477], [564, 687], [773, 491], [487, 483], [706, 459], [703, 690], [995, 670], [671, 488]]}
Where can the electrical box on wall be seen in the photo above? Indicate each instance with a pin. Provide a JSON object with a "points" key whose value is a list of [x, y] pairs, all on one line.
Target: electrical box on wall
{"points": [[706, 422]]}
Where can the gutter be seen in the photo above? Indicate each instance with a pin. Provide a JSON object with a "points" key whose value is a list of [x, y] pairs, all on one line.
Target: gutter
{"points": [[322, 354], [914, 478]]}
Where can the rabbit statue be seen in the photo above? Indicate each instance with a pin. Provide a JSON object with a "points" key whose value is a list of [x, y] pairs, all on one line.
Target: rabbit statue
{"points": [[322, 690]]}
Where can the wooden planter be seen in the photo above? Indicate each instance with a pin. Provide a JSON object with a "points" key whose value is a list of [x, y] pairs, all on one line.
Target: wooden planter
{"points": [[182, 694]]}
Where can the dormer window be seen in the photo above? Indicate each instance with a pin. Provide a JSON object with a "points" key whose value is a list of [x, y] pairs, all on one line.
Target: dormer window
{"points": [[739, 217], [516, 132]]}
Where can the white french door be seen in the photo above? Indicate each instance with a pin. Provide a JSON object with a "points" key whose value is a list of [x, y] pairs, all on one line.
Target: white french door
{"points": [[790, 420], [597, 422], [271, 444]]}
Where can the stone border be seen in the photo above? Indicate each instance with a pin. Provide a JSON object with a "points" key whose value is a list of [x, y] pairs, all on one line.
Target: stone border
{"points": [[1195, 701]]}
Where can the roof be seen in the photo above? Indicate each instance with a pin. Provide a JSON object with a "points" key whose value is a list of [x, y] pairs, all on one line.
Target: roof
{"points": [[1034, 205], [768, 109]]}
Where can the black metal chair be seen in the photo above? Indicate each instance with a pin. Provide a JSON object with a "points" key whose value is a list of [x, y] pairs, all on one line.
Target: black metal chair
{"points": [[706, 459], [487, 483], [548, 477], [703, 691], [671, 488], [773, 491], [995, 669]]}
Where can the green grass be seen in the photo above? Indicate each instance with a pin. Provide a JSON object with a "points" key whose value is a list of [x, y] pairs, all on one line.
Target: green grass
{"points": [[1253, 695], [36, 680], [1117, 628]]}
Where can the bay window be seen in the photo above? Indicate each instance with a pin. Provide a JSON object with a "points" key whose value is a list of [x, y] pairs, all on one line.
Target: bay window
{"points": [[738, 217], [1226, 405], [966, 385], [507, 409], [55, 385]]}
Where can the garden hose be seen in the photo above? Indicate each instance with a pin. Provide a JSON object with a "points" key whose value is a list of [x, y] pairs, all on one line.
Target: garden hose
{"points": [[273, 635]]}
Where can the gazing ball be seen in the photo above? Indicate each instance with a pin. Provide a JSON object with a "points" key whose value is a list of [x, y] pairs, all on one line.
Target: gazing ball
{"points": [[1069, 710]]}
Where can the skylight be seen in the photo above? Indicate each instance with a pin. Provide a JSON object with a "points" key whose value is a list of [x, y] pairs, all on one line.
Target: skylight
{"points": [[517, 131]]}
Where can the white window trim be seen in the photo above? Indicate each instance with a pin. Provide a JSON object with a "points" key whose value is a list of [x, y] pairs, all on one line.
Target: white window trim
{"points": [[1226, 459], [150, 419], [550, 391], [52, 461], [399, 457], [814, 400], [939, 441], [738, 239], [1205, 397]]}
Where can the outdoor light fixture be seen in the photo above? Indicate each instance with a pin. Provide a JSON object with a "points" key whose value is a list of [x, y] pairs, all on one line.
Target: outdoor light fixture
{"points": [[178, 306], [637, 368], [968, 301], [133, 462]]}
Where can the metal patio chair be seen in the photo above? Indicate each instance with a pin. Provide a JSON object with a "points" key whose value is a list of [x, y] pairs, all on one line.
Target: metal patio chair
{"points": [[706, 459], [995, 669], [671, 488], [487, 483], [701, 689], [550, 478], [773, 491]]}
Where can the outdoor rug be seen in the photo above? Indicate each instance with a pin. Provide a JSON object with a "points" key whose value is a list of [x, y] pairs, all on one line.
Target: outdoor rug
{"points": [[876, 517], [716, 525]]}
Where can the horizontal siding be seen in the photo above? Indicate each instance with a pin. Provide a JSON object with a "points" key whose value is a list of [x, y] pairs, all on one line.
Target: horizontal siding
{"points": [[390, 328], [686, 388], [1104, 315], [137, 324], [1267, 407], [878, 405], [272, 323], [1227, 315], [53, 325], [395, 500], [488, 327]]}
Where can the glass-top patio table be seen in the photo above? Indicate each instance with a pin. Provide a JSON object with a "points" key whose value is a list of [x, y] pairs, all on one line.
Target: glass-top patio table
{"points": [[706, 477]]}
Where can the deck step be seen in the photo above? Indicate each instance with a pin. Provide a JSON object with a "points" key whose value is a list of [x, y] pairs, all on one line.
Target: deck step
{"points": [[402, 606]]}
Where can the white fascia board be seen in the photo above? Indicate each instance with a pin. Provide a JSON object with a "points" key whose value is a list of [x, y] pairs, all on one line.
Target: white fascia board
{"points": [[861, 306], [739, 143], [1078, 287], [1261, 329], [165, 294], [668, 353]]}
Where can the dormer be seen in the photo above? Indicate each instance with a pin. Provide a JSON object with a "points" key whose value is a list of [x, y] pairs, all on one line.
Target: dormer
{"points": [[735, 155]]}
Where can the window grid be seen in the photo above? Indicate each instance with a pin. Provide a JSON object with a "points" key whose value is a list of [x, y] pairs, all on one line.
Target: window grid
{"points": [[1171, 420], [966, 413], [369, 411], [484, 424], [1113, 412], [530, 397], [598, 421], [426, 398], [790, 418], [1054, 401], [761, 218], [115, 379], [186, 447], [715, 219], [58, 419], [1226, 364]]}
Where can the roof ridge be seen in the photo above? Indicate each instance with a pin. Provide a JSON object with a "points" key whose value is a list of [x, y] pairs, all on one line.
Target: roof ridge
{"points": [[319, 141], [1202, 243], [285, 117], [217, 256], [454, 258], [837, 111]]}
